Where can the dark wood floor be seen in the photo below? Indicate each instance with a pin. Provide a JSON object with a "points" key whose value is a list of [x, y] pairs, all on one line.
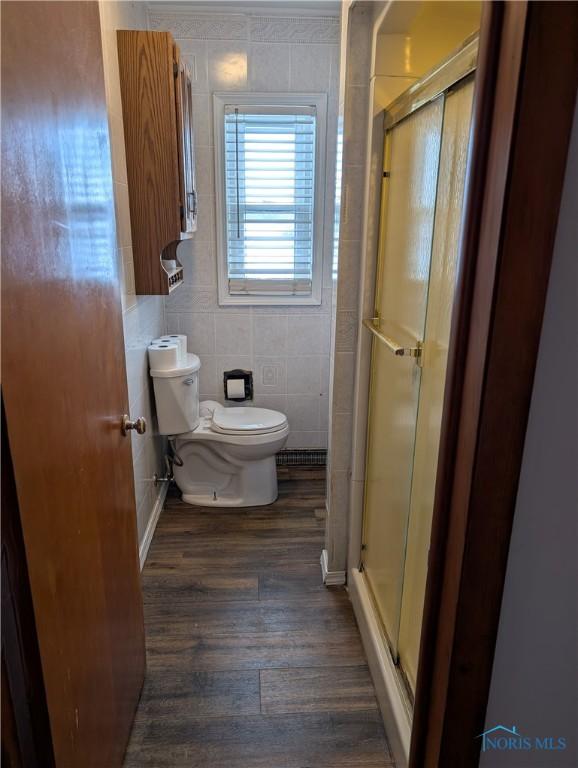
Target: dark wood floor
{"points": [[252, 663]]}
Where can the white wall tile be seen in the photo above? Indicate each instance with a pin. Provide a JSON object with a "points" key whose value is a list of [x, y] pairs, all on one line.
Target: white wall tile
{"points": [[269, 65], [202, 116], [172, 322], [198, 260], [194, 52], [200, 331], [205, 174], [324, 412], [349, 274], [336, 530], [304, 440], [274, 402], [233, 335], [344, 380], [208, 381], [355, 124], [270, 375], [227, 65], [359, 46], [341, 441], [270, 335], [352, 196], [303, 412], [206, 232], [188, 298], [304, 375], [325, 373], [308, 336], [310, 68]]}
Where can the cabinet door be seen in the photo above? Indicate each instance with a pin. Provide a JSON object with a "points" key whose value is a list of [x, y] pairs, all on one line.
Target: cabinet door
{"points": [[183, 93]]}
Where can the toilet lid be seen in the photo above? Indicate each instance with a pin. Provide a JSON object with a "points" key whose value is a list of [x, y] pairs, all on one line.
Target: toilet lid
{"points": [[241, 420]]}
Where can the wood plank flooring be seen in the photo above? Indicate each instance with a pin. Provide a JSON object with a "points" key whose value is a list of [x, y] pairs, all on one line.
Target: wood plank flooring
{"points": [[252, 662]]}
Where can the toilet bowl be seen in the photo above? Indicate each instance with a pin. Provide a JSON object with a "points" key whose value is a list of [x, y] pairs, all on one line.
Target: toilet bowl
{"points": [[228, 460], [224, 457]]}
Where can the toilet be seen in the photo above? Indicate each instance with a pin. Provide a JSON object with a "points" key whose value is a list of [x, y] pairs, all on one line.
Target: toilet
{"points": [[224, 457]]}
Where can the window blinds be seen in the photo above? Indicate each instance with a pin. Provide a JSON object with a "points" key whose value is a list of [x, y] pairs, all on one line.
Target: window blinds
{"points": [[270, 198]]}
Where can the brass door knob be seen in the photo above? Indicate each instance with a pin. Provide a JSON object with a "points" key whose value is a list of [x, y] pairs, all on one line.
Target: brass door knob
{"points": [[139, 425]]}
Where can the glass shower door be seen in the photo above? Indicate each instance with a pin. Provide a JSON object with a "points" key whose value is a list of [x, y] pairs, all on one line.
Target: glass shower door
{"points": [[408, 211], [442, 279]]}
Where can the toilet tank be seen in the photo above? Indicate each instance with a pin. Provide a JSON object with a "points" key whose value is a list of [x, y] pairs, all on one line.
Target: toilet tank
{"points": [[177, 397]]}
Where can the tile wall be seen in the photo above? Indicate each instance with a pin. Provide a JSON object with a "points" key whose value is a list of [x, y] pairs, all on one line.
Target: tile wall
{"points": [[354, 112], [288, 348], [143, 316]]}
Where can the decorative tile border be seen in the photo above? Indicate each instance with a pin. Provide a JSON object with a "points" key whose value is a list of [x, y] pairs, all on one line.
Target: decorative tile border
{"points": [[237, 26], [346, 331], [201, 26], [294, 29]]}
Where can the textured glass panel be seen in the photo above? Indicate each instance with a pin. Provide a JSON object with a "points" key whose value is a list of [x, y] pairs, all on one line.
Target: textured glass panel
{"points": [[401, 301], [448, 218]]}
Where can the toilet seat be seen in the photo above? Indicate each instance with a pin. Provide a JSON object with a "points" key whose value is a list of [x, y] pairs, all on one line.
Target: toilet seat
{"points": [[247, 421]]}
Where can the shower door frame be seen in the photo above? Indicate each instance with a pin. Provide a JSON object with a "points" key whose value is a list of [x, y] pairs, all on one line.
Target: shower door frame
{"points": [[513, 193], [451, 74]]}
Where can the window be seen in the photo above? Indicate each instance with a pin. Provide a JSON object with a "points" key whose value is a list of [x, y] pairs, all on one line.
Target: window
{"points": [[269, 165]]}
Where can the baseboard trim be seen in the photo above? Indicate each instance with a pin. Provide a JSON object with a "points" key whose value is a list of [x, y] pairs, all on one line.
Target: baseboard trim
{"points": [[391, 696], [331, 578], [152, 524]]}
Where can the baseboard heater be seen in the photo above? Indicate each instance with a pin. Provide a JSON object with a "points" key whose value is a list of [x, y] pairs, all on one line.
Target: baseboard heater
{"points": [[303, 457]]}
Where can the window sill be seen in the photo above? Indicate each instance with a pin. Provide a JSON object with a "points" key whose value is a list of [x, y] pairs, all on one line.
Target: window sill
{"points": [[269, 301]]}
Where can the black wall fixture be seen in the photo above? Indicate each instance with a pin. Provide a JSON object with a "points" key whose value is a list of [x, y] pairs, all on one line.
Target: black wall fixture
{"points": [[246, 377]]}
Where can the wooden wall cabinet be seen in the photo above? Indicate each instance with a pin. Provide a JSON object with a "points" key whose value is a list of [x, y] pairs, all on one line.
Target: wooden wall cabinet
{"points": [[156, 96]]}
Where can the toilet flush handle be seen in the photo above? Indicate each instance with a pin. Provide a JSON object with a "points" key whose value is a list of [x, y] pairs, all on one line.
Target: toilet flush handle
{"points": [[139, 425]]}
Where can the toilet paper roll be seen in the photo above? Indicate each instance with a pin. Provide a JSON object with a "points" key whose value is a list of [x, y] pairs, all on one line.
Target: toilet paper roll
{"points": [[163, 356], [175, 338], [235, 388]]}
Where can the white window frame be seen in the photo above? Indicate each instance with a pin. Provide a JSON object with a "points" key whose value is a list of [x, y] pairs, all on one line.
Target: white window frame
{"points": [[317, 100]]}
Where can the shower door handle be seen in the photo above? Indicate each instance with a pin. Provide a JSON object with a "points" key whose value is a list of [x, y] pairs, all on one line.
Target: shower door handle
{"points": [[372, 325]]}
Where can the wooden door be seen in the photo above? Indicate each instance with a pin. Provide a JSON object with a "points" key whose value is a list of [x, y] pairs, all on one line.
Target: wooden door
{"points": [[64, 378]]}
